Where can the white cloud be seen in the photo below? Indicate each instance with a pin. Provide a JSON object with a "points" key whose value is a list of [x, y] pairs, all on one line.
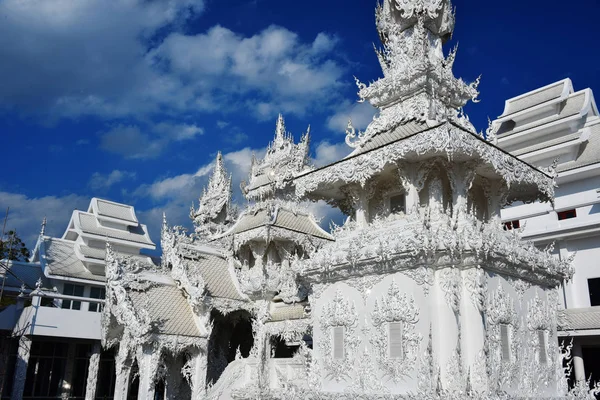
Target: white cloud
{"points": [[79, 57], [26, 213], [360, 113], [326, 153], [100, 181], [127, 58], [284, 73], [130, 142]]}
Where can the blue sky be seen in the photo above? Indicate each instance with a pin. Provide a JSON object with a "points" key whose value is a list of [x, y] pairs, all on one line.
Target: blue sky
{"points": [[131, 99]]}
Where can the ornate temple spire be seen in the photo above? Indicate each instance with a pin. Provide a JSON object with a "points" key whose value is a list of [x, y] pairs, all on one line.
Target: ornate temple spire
{"points": [[418, 82], [283, 160], [214, 212]]}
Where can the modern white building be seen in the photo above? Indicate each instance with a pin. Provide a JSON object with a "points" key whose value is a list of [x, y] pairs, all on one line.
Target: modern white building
{"points": [[51, 333], [560, 127]]}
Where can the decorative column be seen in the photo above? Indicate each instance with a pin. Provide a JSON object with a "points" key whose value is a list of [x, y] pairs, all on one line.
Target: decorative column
{"points": [[496, 193], [461, 179], [199, 375], [122, 372], [472, 330], [578, 362], [412, 178], [67, 382], [148, 360], [446, 295], [93, 368], [21, 368]]}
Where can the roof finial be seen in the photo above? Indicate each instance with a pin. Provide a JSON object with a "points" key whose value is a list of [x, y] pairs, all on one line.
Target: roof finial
{"points": [[280, 130], [43, 230]]}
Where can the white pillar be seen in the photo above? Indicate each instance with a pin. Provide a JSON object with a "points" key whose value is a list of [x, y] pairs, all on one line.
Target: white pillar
{"points": [[148, 361], [67, 382], [122, 371], [578, 362], [93, 368], [444, 320], [362, 210], [21, 368], [472, 329], [199, 377]]}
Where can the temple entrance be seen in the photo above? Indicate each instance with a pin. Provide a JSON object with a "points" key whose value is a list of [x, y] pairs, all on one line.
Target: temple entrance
{"points": [[231, 332]]}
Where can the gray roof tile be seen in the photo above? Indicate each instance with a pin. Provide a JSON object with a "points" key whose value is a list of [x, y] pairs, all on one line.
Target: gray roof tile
{"points": [[168, 309], [88, 225], [61, 260], [531, 100], [114, 210], [572, 106], [401, 131], [215, 272], [579, 318], [589, 152]]}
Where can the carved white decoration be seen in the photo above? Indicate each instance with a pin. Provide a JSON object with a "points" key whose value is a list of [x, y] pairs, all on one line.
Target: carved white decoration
{"points": [[215, 211], [340, 312], [396, 306]]}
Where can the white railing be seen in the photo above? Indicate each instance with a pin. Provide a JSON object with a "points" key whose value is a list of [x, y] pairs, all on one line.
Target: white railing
{"points": [[55, 321]]}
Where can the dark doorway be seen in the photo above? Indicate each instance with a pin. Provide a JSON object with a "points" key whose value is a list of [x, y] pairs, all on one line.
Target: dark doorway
{"points": [[230, 333]]}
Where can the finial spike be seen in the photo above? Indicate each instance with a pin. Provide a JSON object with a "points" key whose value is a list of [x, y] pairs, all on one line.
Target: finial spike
{"points": [[43, 230]]}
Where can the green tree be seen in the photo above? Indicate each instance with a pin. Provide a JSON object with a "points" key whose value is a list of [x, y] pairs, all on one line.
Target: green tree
{"points": [[13, 248]]}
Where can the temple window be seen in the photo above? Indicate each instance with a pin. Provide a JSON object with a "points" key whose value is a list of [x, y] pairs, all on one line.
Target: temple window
{"points": [[97, 293], [594, 291], [543, 357], [568, 214], [338, 342], [397, 204], [505, 338], [395, 340], [510, 225], [72, 290]]}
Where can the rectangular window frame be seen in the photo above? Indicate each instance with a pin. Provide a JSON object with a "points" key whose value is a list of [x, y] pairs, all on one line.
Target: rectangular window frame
{"points": [[338, 347], [70, 289], [96, 293], [395, 340], [505, 342], [542, 346]]}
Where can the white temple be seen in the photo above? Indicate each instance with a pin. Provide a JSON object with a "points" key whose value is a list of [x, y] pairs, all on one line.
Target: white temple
{"points": [[424, 293]]}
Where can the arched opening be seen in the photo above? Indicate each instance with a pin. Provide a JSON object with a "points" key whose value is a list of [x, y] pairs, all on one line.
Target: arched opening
{"points": [[134, 382], [230, 333]]}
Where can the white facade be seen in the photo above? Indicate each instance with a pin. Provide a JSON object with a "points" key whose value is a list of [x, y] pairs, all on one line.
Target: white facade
{"points": [[556, 125], [58, 300]]}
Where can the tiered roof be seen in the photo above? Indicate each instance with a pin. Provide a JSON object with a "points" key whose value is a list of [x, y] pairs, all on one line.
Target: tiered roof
{"points": [[215, 211], [81, 252], [552, 122], [284, 159]]}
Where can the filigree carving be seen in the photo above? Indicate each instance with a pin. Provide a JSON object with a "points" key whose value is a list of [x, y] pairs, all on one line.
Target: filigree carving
{"points": [[396, 306], [339, 312]]}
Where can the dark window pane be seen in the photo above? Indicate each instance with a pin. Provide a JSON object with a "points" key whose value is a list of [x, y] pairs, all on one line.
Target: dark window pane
{"points": [[567, 214], [594, 288], [397, 204]]}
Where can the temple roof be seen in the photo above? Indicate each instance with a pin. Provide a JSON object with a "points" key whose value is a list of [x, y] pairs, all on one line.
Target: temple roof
{"points": [[60, 258], [405, 143], [579, 319], [216, 273], [283, 160], [168, 310], [554, 92], [279, 217], [551, 123]]}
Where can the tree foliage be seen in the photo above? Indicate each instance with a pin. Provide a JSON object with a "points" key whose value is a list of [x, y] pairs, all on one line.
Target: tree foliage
{"points": [[13, 248]]}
